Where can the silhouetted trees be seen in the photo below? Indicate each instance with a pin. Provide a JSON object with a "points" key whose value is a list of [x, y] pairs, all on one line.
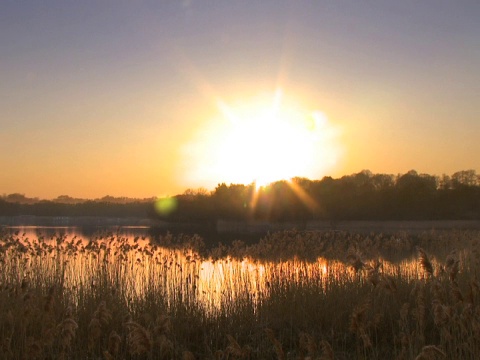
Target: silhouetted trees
{"points": [[233, 202], [86, 208], [361, 196]]}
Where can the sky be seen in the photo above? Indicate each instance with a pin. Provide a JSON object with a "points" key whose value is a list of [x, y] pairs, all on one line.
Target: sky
{"points": [[149, 98]]}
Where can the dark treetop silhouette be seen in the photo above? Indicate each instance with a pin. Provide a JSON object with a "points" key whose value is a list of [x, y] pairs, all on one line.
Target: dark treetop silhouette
{"points": [[361, 196]]}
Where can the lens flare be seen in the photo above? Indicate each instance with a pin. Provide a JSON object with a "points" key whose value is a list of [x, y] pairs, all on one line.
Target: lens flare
{"points": [[165, 206]]}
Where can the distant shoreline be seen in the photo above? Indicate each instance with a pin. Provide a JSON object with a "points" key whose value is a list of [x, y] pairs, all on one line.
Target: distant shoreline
{"points": [[225, 226], [32, 220]]}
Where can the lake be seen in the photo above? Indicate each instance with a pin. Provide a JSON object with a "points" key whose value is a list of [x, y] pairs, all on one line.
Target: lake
{"points": [[223, 231]]}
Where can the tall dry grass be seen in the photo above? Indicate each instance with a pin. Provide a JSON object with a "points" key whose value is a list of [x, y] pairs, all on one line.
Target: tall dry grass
{"points": [[294, 295]]}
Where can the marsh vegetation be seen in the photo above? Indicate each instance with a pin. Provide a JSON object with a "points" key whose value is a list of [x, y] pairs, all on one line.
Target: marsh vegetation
{"points": [[293, 295]]}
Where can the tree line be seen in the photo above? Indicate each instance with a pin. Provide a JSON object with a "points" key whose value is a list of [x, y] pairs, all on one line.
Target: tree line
{"points": [[136, 209], [360, 196]]}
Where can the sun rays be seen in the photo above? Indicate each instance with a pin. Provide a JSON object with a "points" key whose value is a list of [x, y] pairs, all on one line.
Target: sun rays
{"points": [[262, 140]]}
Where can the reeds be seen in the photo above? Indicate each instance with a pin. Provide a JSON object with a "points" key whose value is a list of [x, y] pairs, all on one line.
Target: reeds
{"points": [[294, 295]]}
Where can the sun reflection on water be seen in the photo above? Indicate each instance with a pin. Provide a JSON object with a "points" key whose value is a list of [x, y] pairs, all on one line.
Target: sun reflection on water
{"points": [[134, 267]]}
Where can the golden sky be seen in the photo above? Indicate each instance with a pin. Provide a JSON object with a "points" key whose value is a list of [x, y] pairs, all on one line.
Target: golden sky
{"points": [[146, 99]]}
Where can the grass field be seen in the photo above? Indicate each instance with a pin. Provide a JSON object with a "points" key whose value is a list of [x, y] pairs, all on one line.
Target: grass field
{"points": [[293, 295]]}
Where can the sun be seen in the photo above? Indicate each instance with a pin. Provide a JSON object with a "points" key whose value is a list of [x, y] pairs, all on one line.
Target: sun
{"points": [[260, 141]]}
